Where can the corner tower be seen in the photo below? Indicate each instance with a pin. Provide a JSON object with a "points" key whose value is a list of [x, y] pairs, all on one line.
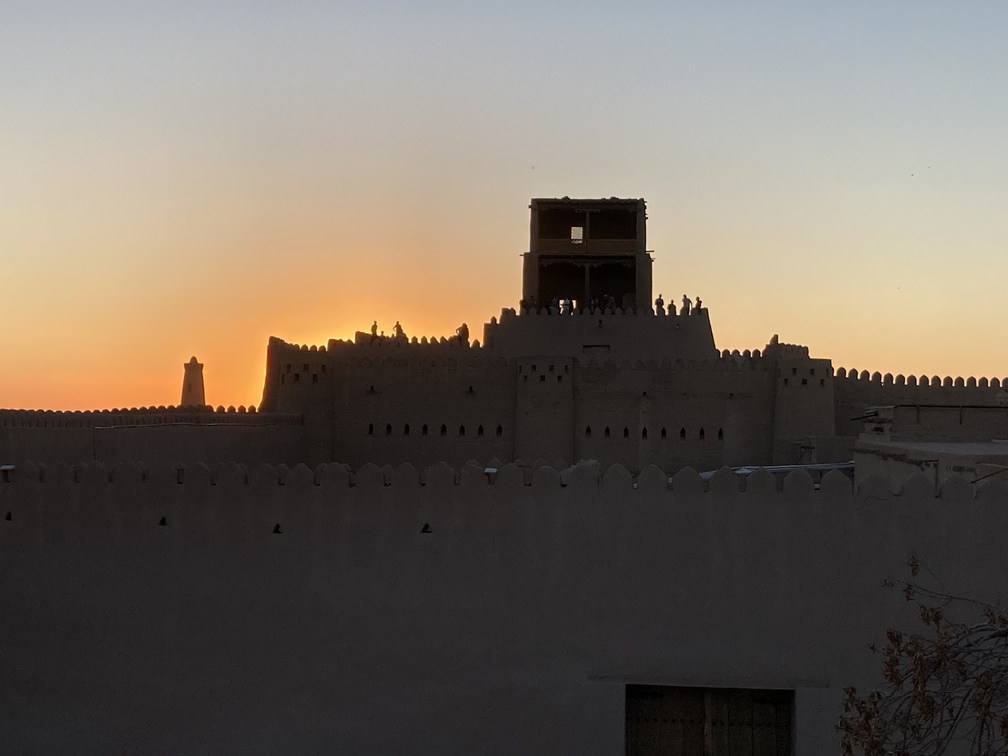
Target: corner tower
{"points": [[192, 385], [587, 248]]}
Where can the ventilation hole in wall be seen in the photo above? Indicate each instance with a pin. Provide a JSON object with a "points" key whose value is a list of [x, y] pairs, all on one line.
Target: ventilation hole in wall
{"points": [[682, 434], [423, 430], [500, 431], [626, 432], [277, 530], [785, 381], [664, 434], [559, 378], [323, 369], [533, 368], [305, 367], [444, 430], [794, 371], [701, 434], [405, 429], [551, 368], [163, 522], [388, 430], [314, 378], [606, 432], [811, 371], [180, 475], [461, 431], [566, 370], [426, 528], [10, 516], [804, 381], [643, 433], [479, 432], [588, 432], [542, 378], [822, 381], [720, 434], [297, 377], [525, 378], [370, 429]]}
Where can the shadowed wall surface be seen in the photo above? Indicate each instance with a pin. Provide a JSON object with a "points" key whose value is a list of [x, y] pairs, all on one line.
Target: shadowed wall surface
{"points": [[513, 626]]}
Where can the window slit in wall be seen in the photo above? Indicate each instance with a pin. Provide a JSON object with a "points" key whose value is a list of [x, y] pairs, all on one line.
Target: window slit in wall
{"points": [[626, 432], [663, 434], [606, 433], [423, 430], [542, 378], [500, 431], [405, 430], [444, 430], [461, 431], [479, 432], [682, 434], [701, 434], [643, 434], [720, 434], [388, 429], [314, 378], [370, 429], [588, 432], [297, 377]]}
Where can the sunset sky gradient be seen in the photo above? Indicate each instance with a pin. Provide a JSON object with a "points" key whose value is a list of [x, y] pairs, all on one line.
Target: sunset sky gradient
{"points": [[189, 178]]}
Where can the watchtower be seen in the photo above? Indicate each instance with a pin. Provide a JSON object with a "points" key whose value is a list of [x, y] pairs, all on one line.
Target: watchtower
{"points": [[588, 248], [192, 385]]}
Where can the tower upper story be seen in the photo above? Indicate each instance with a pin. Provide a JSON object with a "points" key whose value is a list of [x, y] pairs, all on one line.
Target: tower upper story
{"points": [[585, 249]]}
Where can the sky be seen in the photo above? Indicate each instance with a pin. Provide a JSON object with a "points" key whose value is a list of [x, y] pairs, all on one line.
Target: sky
{"points": [[190, 178]]}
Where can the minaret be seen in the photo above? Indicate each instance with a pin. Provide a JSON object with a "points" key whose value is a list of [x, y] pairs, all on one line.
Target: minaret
{"points": [[192, 385]]}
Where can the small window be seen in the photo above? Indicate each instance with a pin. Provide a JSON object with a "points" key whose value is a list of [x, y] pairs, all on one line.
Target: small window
{"points": [[565, 369], [314, 378], [794, 371], [551, 367], [542, 378], [288, 367], [297, 377], [500, 431], [785, 381], [822, 381], [461, 431], [370, 429], [701, 434], [804, 381], [663, 434], [811, 371], [306, 367], [479, 432], [423, 430], [525, 378], [388, 430], [643, 434], [588, 432], [577, 234], [559, 379], [626, 432], [720, 434], [533, 368], [606, 432], [682, 434], [405, 430], [323, 369], [444, 430]]}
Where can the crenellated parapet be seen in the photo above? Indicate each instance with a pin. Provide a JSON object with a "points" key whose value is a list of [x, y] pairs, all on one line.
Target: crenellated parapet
{"points": [[141, 416]]}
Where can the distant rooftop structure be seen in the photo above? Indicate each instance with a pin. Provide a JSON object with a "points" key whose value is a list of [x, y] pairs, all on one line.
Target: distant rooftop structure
{"points": [[583, 249]]}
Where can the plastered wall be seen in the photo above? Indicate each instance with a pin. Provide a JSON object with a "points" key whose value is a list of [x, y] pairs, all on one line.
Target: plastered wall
{"points": [[391, 610]]}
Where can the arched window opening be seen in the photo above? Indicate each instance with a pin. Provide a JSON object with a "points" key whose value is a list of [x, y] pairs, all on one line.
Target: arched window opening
{"points": [[444, 430], [626, 432], [423, 430], [388, 429], [720, 434], [500, 431], [607, 432], [682, 434], [643, 434], [701, 434], [370, 429], [461, 431], [405, 430], [588, 432], [664, 435], [479, 432]]}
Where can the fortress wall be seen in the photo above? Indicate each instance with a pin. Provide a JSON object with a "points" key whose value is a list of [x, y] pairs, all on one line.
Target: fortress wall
{"points": [[149, 435], [856, 391], [804, 406], [423, 405], [512, 626], [701, 414], [621, 336]]}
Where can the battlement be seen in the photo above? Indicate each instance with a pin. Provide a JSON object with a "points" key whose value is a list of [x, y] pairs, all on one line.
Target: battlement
{"points": [[138, 416]]}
